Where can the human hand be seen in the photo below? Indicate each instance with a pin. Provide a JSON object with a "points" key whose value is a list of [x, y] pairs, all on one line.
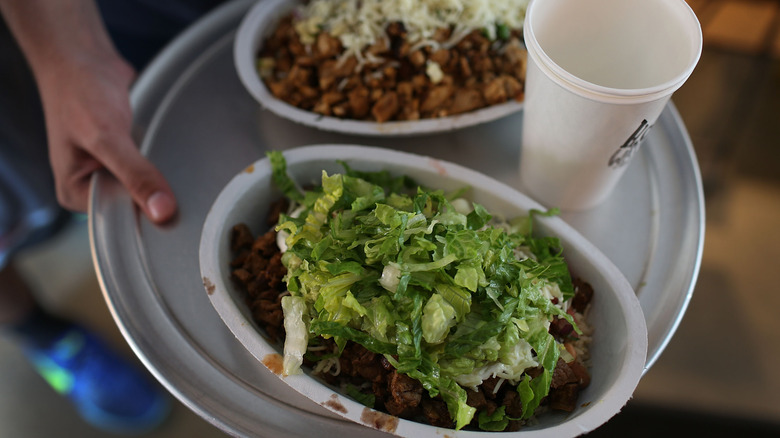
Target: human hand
{"points": [[88, 122], [84, 86]]}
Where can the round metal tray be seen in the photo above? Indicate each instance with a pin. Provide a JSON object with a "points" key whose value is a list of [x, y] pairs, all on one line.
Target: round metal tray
{"points": [[197, 123]]}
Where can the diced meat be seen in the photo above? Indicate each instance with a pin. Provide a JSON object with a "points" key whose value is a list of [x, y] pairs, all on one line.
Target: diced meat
{"points": [[386, 107], [564, 398], [466, 100], [583, 294], [478, 400], [475, 399], [465, 68], [513, 403], [436, 97], [436, 413], [327, 74], [512, 87], [380, 47], [299, 76], [495, 92], [259, 271], [302, 75], [327, 46], [365, 363], [332, 98], [515, 53], [581, 372], [265, 244], [404, 390], [417, 58], [489, 387], [441, 57], [241, 238], [359, 102], [560, 328], [563, 375]]}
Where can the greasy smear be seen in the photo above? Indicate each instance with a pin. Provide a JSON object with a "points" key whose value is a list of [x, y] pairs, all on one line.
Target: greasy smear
{"points": [[379, 420], [438, 166], [209, 285], [335, 404], [274, 363], [250, 169]]}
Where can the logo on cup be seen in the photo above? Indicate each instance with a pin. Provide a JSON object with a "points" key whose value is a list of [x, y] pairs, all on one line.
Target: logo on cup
{"points": [[623, 154]]}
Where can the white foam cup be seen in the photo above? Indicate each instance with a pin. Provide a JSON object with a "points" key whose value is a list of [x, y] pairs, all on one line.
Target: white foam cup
{"points": [[599, 74]]}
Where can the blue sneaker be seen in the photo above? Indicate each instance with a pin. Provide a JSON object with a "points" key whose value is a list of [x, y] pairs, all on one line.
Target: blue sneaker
{"points": [[107, 390]]}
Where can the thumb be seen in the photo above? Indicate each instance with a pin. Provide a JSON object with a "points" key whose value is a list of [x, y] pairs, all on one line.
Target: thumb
{"points": [[145, 183]]}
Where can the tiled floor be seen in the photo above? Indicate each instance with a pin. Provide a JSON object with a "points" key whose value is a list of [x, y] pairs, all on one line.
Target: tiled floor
{"points": [[718, 376]]}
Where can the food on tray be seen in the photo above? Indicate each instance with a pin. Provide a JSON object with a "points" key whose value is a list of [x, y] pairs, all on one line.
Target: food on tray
{"points": [[416, 302], [396, 59]]}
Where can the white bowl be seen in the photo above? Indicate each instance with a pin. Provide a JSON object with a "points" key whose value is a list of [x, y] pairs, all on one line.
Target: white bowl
{"points": [[260, 21], [619, 342]]}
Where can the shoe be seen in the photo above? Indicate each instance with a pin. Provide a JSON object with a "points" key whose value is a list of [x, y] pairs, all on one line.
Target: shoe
{"points": [[107, 390]]}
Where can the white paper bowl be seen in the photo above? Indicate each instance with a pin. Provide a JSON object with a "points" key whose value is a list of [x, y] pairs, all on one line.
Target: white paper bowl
{"points": [[619, 342], [260, 21]]}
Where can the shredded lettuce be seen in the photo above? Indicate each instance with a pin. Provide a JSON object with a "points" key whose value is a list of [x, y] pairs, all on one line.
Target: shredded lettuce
{"points": [[430, 282], [297, 335]]}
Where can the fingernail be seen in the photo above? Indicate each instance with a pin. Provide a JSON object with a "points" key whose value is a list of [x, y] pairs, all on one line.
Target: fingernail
{"points": [[161, 206]]}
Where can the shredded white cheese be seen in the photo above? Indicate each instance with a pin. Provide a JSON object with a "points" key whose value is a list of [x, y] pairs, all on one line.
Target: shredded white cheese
{"points": [[361, 23]]}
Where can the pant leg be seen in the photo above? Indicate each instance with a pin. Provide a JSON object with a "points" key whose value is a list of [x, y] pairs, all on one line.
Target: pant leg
{"points": [[28, 204]]}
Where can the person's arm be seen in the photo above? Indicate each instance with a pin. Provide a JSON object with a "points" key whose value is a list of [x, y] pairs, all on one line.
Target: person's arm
{"points": [[84, 86]]}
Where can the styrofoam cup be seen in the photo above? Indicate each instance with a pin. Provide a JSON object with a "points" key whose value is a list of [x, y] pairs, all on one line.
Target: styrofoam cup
{"points": [[599, 74]]}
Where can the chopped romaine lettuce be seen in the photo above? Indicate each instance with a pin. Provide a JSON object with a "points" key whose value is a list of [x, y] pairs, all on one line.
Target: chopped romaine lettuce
{"points": [[431, 283], [297, 335]]}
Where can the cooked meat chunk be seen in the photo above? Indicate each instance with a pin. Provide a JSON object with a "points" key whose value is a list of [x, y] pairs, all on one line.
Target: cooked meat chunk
{"points": [[441, 57], [583, 294], [560, 328], [417, 58], [562, 375], [359, 102], [581, 372], [436, 413], [405, 393], [241, 238], [489, 387], [356, 360], [436, 98], [466, 100], [478, 400], [327, 46], [386, 107], [495, 92], [513, 403], [564, 398]]}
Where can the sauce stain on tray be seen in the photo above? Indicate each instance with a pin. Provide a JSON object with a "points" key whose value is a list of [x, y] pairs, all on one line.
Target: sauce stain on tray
{"points": [[274, 363], [379, 420], [335, 404], [209, 286]]}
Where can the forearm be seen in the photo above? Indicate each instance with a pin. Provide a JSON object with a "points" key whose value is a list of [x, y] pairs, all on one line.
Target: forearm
{"points": [[58, 31]]}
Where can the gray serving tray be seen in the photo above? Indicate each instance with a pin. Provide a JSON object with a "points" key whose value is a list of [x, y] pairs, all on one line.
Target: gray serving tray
{"points": [[197, 123]]}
